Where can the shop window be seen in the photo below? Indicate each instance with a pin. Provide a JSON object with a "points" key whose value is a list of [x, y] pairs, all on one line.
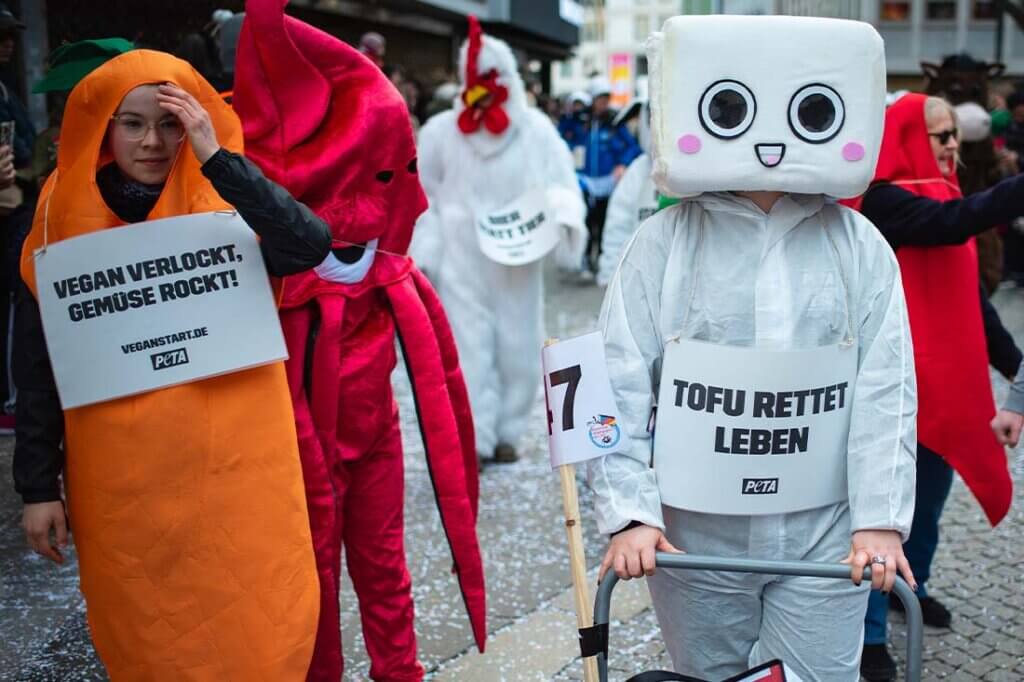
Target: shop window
{"points": [[895, 10], [983, 9], [940, 10]]}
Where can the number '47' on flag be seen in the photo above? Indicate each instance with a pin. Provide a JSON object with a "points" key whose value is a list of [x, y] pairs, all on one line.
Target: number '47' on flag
{"points": [[583, 420]]}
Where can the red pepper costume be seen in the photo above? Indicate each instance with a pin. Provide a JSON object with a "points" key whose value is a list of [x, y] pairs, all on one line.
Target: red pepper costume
{"points": [[955, 403], [323, 121]]}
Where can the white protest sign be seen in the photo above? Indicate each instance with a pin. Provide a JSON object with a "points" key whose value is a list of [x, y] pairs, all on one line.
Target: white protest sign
{"points": [[521, 232], [154, 304], [750, 431], [582, 416]]}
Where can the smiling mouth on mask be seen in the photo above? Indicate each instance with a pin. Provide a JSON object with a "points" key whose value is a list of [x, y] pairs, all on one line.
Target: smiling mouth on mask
{"points": [[335, 269], [349, 254], [770, 155]]}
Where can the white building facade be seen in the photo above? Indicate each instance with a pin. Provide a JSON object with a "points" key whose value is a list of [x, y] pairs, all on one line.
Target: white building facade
{"points": [[614, 32]]}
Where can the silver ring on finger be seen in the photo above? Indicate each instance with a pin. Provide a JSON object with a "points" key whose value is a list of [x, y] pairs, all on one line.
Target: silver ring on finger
{"points": [[878, 559]]}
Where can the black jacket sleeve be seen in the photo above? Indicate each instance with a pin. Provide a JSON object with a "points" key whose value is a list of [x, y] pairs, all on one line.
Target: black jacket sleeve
{"points": [[1003, 353], [906, 219], [39, 423], [292, 238]]}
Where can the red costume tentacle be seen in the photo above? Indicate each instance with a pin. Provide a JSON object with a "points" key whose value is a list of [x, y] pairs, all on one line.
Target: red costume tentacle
{"points": [[457, 392], [321, 498], [325, 398], [441, 439], [297, 323]]}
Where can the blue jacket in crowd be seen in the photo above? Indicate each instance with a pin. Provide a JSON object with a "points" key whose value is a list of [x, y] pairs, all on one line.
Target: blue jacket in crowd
{"points": [[605, 146]]}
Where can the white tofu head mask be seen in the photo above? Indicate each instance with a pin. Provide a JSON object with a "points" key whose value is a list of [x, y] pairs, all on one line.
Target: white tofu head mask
{"points": [[745, 103]]}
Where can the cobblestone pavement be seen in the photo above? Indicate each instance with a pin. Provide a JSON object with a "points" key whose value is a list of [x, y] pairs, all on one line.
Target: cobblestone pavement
{"points": [[43, 635]]}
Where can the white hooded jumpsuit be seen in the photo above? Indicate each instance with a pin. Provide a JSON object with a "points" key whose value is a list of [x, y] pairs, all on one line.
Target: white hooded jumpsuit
{"points": [[633, 200], [496, 311], [718, 269]]}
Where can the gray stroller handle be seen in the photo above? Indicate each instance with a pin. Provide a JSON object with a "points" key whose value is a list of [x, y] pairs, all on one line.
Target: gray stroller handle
{"points": [[811, 569]]}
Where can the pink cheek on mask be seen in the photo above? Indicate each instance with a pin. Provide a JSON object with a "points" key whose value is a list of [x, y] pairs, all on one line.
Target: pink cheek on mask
{"points": [[853, 151], [689, 144]]}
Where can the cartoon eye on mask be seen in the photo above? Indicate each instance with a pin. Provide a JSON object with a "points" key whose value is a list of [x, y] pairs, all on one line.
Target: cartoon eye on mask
{"points": [[727, 109], [816, 113], [411, 167], [385, 176]]}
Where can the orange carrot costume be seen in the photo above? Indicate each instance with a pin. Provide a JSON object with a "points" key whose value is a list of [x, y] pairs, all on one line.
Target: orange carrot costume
{"points": [[186, 503]]}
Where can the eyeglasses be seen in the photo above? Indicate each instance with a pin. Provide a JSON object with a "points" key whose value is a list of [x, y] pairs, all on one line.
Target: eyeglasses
{"points": [[943, 137], [135, 128]]}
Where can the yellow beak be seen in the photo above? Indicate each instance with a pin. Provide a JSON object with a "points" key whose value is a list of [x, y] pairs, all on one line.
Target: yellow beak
{"points": [[475, 94]]}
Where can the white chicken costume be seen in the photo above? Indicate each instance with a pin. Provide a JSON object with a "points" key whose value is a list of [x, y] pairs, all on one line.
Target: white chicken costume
{"points": [[513, 159], [799, 110]]}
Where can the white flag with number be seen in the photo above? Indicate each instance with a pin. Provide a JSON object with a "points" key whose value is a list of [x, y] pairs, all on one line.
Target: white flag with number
{"points": [[583, 421]]}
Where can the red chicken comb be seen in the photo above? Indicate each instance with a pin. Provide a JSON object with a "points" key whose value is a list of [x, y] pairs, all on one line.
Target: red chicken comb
{"points": [[476, 39]]}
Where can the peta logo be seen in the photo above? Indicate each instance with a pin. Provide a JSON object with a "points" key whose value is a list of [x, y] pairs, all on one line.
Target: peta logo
{"points": [[169, 358], [760, 486]]}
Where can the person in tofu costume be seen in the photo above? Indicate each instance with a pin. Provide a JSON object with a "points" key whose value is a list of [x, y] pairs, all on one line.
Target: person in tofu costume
{"points": [[758, 281]]}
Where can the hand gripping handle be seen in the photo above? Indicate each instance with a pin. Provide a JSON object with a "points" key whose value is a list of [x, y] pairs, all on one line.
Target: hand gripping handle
{"points": [[811, 569]]}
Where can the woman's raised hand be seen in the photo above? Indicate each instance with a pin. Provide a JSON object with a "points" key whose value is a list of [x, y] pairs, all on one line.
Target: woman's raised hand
{"points": [[193, 117]]}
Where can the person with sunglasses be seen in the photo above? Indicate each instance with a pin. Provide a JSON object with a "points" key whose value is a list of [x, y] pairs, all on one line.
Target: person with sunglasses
{"points": [[916, 203], [187, 502]]}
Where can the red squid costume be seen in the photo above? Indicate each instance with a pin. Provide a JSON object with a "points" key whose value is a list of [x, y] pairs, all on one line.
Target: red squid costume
{"points": [[323, 121]]}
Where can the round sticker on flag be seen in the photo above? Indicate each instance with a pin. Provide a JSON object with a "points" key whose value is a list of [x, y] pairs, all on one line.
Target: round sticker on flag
{"points": [[604, 432]]}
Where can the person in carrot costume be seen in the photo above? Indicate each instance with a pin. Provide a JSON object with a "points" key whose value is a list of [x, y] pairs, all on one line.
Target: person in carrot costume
{"points": [[186, 502]]}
